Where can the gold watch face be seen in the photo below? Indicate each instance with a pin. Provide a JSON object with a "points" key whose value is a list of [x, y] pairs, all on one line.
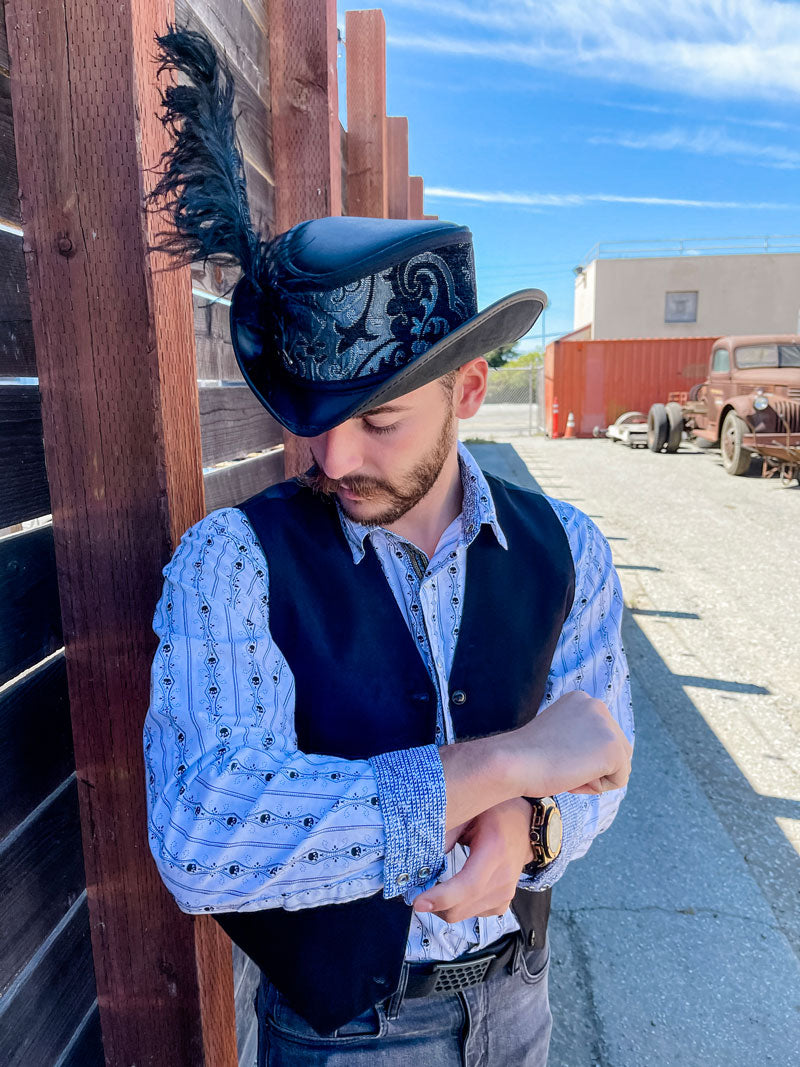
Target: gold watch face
{"points": [[553, 832]]}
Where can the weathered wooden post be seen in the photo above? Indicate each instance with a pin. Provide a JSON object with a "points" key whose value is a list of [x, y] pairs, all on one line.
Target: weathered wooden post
{"points": [[397, 143], [367, 185], [415, 197], [306, 133], [115, 359]]}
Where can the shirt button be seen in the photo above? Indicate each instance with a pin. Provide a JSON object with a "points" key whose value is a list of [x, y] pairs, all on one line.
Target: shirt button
{"points": [[459, 697], [402, 879], [423, 873]]}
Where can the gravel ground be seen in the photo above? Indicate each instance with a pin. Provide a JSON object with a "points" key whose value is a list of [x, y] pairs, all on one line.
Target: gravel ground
{"points": [[676, 940]]}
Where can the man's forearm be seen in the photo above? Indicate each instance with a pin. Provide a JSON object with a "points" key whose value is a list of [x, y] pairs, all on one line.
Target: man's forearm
{"points": [[572, 746], [480, 774]]}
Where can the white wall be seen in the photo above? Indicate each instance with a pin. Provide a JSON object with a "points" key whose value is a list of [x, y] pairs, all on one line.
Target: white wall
{"points": [[737, 294], [584, 296]]}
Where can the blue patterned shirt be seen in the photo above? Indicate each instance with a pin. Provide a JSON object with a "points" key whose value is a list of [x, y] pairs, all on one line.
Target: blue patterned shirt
{"points": [[240, 819]]}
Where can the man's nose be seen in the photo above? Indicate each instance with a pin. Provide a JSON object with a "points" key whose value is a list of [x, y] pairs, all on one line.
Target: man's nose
{"points": [[338, 452]]}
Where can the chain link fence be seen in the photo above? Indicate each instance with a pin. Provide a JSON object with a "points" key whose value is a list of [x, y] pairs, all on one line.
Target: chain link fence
{"points": [[511, 407]]}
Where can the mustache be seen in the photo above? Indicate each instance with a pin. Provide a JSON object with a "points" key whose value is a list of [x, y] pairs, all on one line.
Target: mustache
{"points": [[316, 479]]}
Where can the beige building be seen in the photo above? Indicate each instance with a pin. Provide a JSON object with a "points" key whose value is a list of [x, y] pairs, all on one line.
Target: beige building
{"points": [[689, 295]]}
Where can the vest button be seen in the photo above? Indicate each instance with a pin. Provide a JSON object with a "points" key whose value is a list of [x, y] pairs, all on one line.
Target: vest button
{"points": [[403, 879], [459, 697], [532, 938]]}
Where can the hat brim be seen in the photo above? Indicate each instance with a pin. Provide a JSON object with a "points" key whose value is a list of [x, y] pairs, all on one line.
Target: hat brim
{"points": [[310, 408]]}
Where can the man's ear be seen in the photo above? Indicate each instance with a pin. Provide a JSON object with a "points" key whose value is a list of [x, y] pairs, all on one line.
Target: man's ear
{"points": [[470, 388]]}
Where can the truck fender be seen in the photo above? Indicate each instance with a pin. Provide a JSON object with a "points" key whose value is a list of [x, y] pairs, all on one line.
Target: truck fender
{"points": [[743, 407]]}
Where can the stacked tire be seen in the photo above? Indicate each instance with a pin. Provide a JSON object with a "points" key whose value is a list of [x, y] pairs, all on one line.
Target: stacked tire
{"points": [[665, 427]]}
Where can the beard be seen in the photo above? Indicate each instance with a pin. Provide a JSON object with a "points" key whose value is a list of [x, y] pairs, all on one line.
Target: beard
{"points": [[396, 499]]}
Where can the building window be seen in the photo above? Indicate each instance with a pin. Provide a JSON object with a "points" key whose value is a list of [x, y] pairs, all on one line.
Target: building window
{"points": [[680, 307]]}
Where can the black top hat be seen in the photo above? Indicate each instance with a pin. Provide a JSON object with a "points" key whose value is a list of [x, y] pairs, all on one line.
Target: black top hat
{"points": [[339, 314]]}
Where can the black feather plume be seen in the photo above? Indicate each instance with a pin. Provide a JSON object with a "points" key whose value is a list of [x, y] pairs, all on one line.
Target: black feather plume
{"points": [[204, 183]]}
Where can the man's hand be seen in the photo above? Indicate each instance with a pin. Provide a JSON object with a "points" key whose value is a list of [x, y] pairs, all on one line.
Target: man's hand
{"points": [[574, 746], [499, 847]]}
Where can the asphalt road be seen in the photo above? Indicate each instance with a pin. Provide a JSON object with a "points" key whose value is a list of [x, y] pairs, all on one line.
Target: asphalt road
{"points": [[675, 941]]}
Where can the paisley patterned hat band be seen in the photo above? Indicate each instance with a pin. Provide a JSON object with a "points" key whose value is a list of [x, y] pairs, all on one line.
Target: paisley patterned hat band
{"points": [[338, 314]]}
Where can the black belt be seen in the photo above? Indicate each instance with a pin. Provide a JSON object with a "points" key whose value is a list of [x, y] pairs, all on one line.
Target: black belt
{"points": [[466, 971]]}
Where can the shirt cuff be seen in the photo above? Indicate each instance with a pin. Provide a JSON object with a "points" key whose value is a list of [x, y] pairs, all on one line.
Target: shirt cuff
{"points": [[413, 801], [574, 808]]}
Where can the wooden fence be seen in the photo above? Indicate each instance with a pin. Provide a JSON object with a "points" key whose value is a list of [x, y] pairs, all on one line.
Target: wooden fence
{"points": [[123, 419]]}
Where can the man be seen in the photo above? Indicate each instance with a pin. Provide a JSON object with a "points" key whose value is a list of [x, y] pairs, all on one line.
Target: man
{"points": [[388, 685]]}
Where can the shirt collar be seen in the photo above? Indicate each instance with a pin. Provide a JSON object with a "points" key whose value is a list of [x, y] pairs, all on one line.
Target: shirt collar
{"points": [[477, 508]]}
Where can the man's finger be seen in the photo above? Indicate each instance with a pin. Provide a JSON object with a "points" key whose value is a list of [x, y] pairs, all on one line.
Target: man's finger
{"points": [[495, 902], [471, 883]]}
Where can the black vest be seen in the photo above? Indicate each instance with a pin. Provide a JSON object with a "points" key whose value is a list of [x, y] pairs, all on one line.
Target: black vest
{"points": [[362, 688]]}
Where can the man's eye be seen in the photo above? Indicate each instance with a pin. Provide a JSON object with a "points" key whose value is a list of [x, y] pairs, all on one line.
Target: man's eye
{"points": [[372, 428]]}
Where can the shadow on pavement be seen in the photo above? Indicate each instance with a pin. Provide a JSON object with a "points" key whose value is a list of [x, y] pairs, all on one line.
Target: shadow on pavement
{"points": [[673, 939]]}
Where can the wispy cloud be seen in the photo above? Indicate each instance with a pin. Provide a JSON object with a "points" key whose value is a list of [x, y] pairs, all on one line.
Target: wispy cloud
{"points": [[705, 141], [683, 112], [717, 48], [579, 199]]}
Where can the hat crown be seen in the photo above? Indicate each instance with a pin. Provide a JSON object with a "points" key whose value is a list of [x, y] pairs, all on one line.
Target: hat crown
{"points": [[347, 298]]}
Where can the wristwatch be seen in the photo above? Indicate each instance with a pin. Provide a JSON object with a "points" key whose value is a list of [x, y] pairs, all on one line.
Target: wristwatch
{"points": [[546, 830]]}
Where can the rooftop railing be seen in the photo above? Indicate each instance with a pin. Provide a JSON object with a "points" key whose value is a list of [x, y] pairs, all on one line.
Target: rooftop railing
{"points": [[694, 246]]}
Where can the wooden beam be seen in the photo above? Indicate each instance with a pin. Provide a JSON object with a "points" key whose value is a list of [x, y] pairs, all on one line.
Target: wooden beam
{"points": [[397, 144], [367, 186], [305, 110], [306, 132], [122, 446], [415, 197]]}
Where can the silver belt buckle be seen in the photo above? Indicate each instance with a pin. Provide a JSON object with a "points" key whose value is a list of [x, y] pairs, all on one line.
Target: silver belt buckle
{"points": [[452, 977]]}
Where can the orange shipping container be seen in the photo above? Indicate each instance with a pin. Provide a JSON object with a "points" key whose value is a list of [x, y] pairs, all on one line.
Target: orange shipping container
{"points": [[599, 380]]}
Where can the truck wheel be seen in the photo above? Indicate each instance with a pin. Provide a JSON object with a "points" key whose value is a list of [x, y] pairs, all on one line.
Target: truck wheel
{"points": [[657, 427], [735, 458], [675, 420]]}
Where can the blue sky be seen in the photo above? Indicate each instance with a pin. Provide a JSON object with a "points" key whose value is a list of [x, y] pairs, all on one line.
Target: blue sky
{"points": [[550, 127]]}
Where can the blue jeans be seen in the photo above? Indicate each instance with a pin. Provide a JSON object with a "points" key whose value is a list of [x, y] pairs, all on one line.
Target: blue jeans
{"points": [[503, 1022]]}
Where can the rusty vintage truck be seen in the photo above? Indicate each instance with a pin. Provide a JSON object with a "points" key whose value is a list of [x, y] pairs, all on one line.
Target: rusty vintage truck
{"points": [[748, 405]]}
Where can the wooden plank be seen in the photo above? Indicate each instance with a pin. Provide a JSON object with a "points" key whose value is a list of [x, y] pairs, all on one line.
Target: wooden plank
{"points": [[305, 110], [9, 183], [232, 485], [16, 346], [212, 338], [239, 30], [115, 358], [234, 424], [397, 145], [367, 187], [36, 755], [42, 1012], [41, 877], [252, 98], [17, 354], [24, 492], [30, 613], [86, 1047], [415, 197], [4, 64]]}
